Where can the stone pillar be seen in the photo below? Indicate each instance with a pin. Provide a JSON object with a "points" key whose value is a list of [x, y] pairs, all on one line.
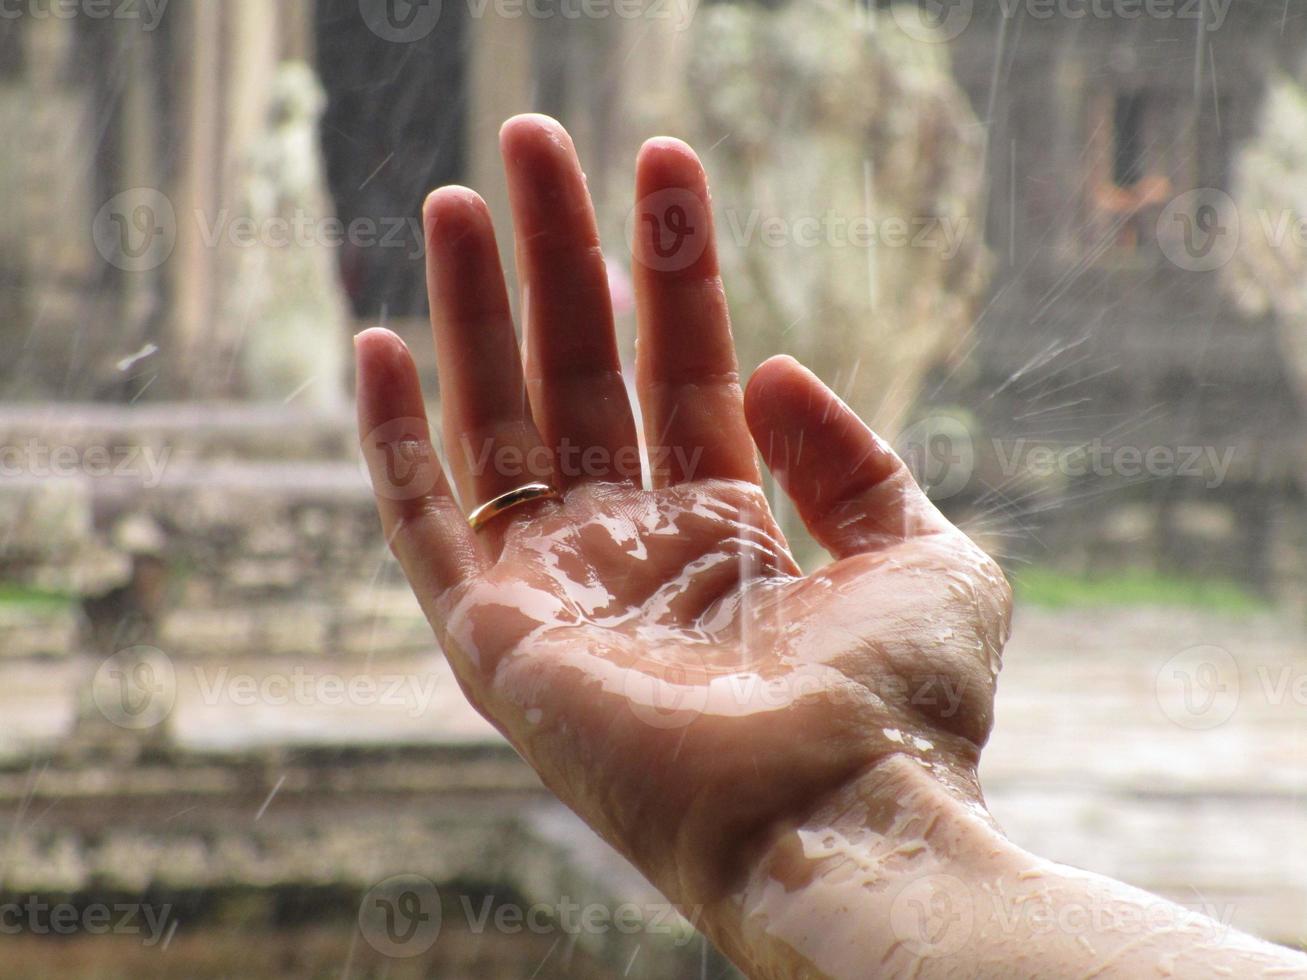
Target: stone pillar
{"points": [[195, 196], [295, 29], [53, 226], [250, 43], [242, 165], [501, 80], [138, 165], [251, 50], [49, 260]]}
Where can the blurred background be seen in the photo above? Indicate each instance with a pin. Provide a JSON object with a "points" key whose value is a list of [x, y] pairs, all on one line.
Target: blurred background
{"points": [[1055, 249]]}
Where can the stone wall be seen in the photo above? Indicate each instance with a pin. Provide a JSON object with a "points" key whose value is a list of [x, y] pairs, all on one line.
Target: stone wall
{"points": [[223, 532]]}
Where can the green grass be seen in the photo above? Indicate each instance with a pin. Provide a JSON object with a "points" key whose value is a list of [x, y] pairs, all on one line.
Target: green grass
{"points": [[1053, 589], [40, 600]]}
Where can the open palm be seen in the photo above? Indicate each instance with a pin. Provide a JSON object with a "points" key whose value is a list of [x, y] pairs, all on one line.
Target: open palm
{"points": [[656, 654]]}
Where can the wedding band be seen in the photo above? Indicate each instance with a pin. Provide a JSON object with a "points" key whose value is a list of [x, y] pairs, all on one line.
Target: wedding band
{"points": [[492, 508]]}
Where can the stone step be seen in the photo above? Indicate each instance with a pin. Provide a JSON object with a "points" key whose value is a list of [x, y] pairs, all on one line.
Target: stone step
{"points": [[56, 532], [380, 620], [229, 557], [72, 438]]}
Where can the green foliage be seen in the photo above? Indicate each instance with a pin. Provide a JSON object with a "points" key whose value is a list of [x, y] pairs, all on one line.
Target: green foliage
{"points": [[1053, 589], [26, 597]]}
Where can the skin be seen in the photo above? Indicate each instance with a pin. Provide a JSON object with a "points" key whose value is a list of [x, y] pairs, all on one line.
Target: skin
{"points": [[790, 759]]}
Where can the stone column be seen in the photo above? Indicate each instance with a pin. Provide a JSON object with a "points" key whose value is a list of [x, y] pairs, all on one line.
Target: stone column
{"points": [[138, 165], [48, 209], [295, 29], [195, 196], [500, 83]]}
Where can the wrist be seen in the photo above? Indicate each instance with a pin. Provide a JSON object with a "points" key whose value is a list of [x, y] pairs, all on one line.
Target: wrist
{"points": [[866, 877], [903, 873]]}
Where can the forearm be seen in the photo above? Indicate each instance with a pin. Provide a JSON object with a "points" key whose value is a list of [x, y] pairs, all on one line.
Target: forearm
{"points": [[925, 886]]}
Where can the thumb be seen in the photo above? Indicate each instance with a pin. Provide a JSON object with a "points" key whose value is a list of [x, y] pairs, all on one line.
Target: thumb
{"points": [[852, 490]]}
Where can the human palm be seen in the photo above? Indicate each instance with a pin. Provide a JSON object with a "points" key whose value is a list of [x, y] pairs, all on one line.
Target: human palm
{"points": [[656, 654]]}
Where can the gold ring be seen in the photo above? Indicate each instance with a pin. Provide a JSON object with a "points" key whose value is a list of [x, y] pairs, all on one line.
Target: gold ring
{"points": [[492, 508]]}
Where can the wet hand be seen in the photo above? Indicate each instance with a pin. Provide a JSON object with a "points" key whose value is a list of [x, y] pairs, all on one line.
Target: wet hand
{"points": [[656, 654]]}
